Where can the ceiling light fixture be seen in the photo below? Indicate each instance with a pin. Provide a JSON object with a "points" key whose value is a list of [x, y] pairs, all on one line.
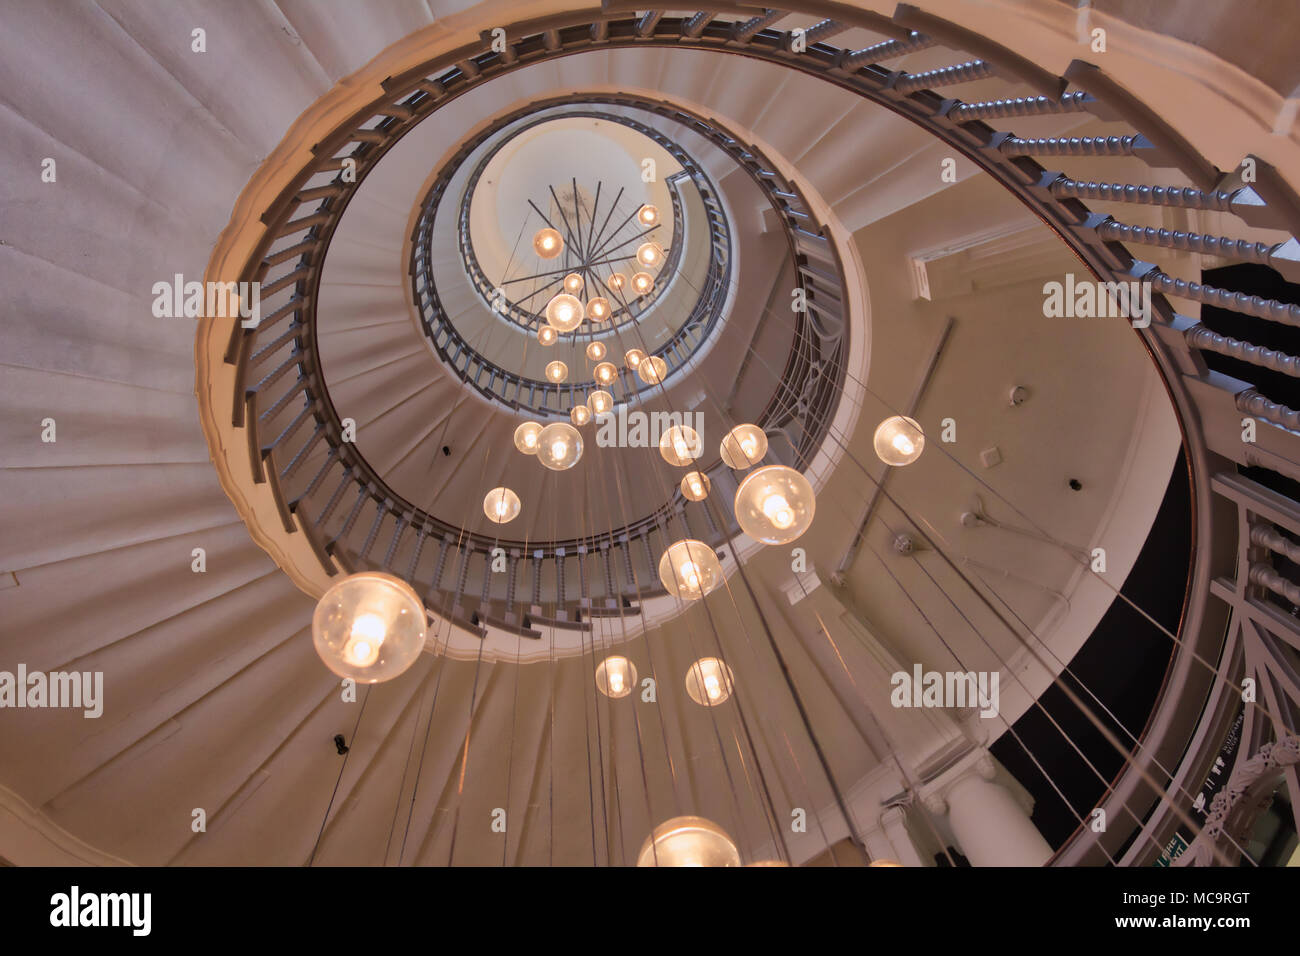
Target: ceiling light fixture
{"points": [[526, 437], [547, 335], [743, 446], [556, 371], [559, 446], [899, 441], [501, 505], [695, 486], [652, 370], [596, 351], [564, 311], [616, 676], [600, 403], [775, 504], [709, 682], [369, 627], [548, 243], [688, 841], [580, 414], [642, 283], [689, 569], [680, 445]]}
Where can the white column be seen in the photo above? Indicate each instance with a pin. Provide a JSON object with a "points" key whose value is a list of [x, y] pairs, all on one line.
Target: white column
{"points": [[992, 829], [894, 822]]}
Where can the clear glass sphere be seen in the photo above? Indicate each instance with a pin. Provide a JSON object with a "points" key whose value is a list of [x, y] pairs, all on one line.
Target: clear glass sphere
{"points": [[547, 335], [695, 486], [526, 437], [688, 841], [617, 281], [883, 862], [548, 243], [564, 311], [606, 373], [501, 505], [709, 682], [600, 403], [768, 863], [652, 370], [556, 371], [633, 357], [775, 504], [559, 446], [595, 351], [573, 283], [616, 676], [689, 569], [743, 446], [598, 309], [580, 414], [647, 215], [899, 441], [369, 626], [680, 445], [642, 283], [650, 255]]}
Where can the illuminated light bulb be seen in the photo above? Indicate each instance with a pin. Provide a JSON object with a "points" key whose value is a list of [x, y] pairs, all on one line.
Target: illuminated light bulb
{"points": [[369, 627], [580, 414], [548, 243], [617, 281], [633, 357], [598, 309], [709, 682], [642, 283], [688, 841], [564, 311], [600, 403], [775, 504], [652, 370], [573, 283], [695, 486], [556, 371], [616, 676], [606, 373], [743, 446], [689, 569], [501, 505], [649, 254], [899, 441], [596, 351], [526, 437], [559, 446], [680, 445], [547, 335], [647, 215], [883, 862]]}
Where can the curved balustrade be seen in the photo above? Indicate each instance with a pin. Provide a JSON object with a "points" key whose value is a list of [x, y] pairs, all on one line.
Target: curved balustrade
{"points": [[1236, 485]]}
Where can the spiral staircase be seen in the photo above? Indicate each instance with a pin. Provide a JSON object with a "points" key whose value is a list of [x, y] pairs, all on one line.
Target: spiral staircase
{"points": [[916, 172]]}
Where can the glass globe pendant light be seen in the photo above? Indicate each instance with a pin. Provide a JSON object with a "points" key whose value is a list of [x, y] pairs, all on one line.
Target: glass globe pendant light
{"points": [[775, 504], [526, 437], [632, 358], [709, 682], [743, 446], [606, 373], [695, 486], [559, 446], [652, 370], [616, 676], [580, 414], [689, 569], [501, 505], [564, 311], [688, 841], [573, 283], [680, 445], [899, 441], [556, 371], [617, 281], [369, 627], [595, 351], [598, 309], [600, 403], [547, 335], [884, 862], [548, 243], [647, 215], [642, 283], [650, 255]]}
